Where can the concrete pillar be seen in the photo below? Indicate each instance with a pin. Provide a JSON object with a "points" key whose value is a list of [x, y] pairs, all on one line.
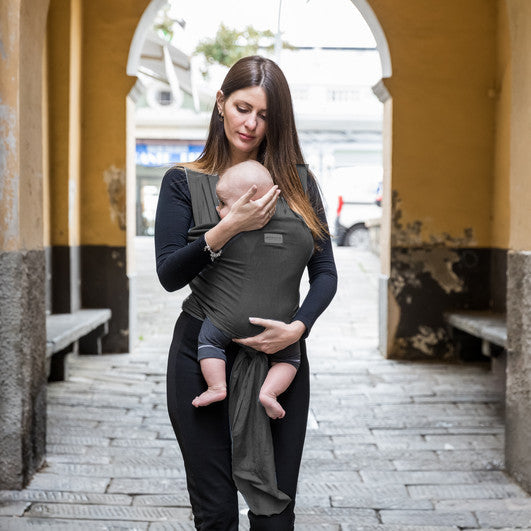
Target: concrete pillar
{"points": [[22, 297], [518, 389], [518, 384]]}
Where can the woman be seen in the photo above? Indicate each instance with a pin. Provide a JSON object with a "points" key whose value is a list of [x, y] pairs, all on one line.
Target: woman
{"points": [[252, 119]]}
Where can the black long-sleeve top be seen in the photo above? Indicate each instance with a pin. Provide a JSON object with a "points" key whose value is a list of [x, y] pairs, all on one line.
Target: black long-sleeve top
{"points": [[179, 261]]}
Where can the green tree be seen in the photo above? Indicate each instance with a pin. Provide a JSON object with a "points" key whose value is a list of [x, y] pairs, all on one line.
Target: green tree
{"points": [[230, 45]]}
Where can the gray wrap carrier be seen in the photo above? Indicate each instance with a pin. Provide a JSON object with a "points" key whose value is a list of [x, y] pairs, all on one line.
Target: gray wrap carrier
{"points": [[228, 295]]}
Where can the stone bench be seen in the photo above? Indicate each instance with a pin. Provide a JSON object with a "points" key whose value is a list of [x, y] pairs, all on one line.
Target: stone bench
{"points": [[79, 331], [467, 328], [490, 327]]}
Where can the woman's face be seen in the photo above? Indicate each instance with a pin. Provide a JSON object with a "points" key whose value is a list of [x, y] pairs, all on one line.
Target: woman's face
{"points": [[244, 121]]}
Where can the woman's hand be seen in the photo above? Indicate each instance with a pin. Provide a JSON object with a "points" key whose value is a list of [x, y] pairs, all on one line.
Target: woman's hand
{"points": [[276, 336], [246, 214]]}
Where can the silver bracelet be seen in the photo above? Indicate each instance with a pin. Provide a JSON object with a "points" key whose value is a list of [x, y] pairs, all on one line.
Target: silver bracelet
{"points": [[213, 254]]}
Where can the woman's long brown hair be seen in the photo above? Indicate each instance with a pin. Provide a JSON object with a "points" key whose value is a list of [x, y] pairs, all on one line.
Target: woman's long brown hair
{"points": [[280, 150]]}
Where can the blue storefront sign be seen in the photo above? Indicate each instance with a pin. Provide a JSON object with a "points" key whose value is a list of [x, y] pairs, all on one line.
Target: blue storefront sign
{"points": [[163, 154]]}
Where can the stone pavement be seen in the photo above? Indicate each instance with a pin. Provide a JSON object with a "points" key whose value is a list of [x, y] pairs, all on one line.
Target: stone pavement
{"points": [[391, 446]]}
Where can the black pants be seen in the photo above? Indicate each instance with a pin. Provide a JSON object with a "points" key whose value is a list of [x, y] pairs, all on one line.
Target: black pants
{"points": [[204, 438]]}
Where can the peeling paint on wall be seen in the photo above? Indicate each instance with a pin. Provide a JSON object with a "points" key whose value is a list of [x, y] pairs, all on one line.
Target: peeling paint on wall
{"points": [[427, 343], [427, 338], [429, 275], [115, 180], [410, 235], [436, 261]]}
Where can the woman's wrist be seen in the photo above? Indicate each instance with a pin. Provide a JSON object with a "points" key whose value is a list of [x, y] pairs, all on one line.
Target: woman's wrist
{"points": [[298, 328], [220, 234]]}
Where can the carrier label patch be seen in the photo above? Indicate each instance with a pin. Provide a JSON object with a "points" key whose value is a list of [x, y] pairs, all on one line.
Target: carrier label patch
{"points": [[273, 237]]}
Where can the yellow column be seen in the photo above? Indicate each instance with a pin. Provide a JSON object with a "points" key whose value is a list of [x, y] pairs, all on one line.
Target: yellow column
{"points": [[64, 78], [443, 90], [108, 29]]}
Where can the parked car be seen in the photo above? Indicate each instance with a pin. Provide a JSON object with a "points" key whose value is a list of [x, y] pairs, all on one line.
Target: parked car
{"points": [[357, 193]]}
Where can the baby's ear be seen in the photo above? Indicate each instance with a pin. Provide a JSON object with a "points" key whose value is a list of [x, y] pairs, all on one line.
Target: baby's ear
{"points": [[217, 209]]}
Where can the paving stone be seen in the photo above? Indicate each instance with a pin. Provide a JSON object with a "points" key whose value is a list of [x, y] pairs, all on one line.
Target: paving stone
{"points": [[312, 500], [13, 508], [45, 481], [115, 431], [22, 524], [56, 438], [356, 527], [506, 518], [317, 527], [334, 515], [55, 449], [106, 512], [140, 443], [381, 499], [180, 499], [65, 497], [461, 519], [78, 459], [357, 463], [147, 486], [117, 470], [122, 451], [172, 526], [506, 504], [328, 488], [421, 477], [482, 490]]}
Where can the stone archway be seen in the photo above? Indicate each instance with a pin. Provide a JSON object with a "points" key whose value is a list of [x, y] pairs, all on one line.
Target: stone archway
{"points": [[382, 93], [379, 36]]}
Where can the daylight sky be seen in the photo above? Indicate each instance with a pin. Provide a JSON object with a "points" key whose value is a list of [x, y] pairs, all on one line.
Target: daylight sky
{"points": [[303, 22]]}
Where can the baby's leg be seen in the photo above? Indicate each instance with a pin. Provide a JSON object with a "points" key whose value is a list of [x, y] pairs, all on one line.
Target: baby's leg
{"points": [[213, 370], [278, 379], [211, 345]]}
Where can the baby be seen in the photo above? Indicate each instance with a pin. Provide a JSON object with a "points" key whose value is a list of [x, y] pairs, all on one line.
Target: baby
{"points": [[212, 341]]}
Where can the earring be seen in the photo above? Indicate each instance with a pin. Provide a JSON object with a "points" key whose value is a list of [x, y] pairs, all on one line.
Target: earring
{"points": [[220, 116]]}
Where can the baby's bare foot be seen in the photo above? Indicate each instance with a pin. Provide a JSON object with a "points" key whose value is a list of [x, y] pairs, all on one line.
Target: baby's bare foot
{"points": [[272, 407], [212, 394]]}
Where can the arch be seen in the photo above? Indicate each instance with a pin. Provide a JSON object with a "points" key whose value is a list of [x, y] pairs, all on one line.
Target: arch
{"points": [[381, 41], [144, 25]]}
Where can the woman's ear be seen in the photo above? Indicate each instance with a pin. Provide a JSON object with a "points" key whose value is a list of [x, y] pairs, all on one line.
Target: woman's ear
{"points": [[220, 100]]}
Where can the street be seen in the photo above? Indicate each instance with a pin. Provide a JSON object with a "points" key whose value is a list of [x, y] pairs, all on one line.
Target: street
{"points": [[391, 445]]}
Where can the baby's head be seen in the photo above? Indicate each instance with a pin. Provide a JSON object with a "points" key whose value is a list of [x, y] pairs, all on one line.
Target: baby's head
{"points": [[237, 180]]}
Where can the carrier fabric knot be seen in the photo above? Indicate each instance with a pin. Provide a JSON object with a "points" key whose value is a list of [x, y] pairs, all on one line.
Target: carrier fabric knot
{"points": [[253, 459]]}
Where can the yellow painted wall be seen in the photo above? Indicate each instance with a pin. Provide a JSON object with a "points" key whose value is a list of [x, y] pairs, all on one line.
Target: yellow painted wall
{"points": [[444, 70], [46, 212], [502, 153], [21, 205], [64, 34], [108, 29], [9, 126], [519, 17], [32, 15]]}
